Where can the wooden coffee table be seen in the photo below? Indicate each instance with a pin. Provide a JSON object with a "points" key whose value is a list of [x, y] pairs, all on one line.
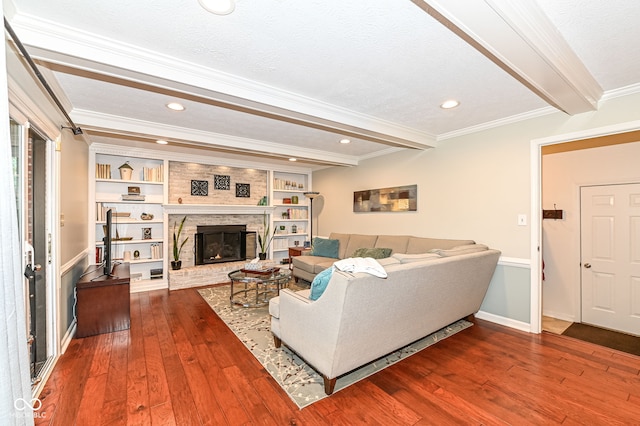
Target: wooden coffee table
{"points": [[253, 289]]}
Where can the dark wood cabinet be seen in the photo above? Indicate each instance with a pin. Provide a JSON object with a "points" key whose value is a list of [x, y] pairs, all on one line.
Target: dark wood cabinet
{"points": [[103, 302]]}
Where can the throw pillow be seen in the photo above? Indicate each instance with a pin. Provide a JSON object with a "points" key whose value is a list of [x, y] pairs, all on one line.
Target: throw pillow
{"points": [[325, 247], [319, 283], [376, 253]]}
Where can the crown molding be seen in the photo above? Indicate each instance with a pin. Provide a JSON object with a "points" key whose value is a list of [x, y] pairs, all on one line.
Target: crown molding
{"points": [[620, 92], [70, 47], [540, 112]]}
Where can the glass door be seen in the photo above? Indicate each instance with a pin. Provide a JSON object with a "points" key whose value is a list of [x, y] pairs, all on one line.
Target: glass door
{"points": [[30, 170]]}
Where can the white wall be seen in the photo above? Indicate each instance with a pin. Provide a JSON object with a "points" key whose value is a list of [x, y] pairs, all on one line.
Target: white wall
{"points": [[563, 174]]}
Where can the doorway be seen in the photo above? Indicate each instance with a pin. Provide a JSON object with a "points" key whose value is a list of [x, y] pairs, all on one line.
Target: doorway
{"points": [[31, 154], [617, 169]]}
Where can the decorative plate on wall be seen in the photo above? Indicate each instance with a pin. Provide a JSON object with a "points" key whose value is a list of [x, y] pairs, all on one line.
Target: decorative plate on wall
{"points": [[222, 182], [200, 187], [243, 190]]}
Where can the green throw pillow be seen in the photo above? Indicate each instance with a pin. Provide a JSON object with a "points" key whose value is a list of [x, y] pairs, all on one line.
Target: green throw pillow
{"points": [[325, 247], [320, 283], [376, 253]]}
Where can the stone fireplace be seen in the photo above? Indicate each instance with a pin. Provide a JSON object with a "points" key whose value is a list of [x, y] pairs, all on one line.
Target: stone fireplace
{"points": [[223, 243]]}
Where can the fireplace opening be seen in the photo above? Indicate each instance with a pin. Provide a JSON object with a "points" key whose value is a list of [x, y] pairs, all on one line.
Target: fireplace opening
{"points": [[224, 243]]}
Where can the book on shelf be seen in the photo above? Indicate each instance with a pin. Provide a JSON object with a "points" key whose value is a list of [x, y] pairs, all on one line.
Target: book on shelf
{"points": [[101, 212], [294, 213], [132, 197], [287, 185], [156, 251], [156, 273], [153, 174], [103, 171], [98, 255]]}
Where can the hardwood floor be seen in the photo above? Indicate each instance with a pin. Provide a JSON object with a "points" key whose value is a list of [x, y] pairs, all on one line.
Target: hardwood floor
{"points": [[180, 364]]}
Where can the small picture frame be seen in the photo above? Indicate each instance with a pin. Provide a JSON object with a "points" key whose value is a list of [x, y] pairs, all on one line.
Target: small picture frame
{"points": [[222, 182], [243, 190], [146, 233], [200, 188]]}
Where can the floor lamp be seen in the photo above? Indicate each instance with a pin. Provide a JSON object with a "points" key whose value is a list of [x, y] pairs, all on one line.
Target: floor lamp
{"points": [[311, 195]]}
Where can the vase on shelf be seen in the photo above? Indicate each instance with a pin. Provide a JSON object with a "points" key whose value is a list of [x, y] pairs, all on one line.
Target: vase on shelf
{"points": [[262, 256], [176, 264]]}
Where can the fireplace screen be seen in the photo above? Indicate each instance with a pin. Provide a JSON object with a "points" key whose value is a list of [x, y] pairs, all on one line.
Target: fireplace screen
{"points": [[224, 243]]}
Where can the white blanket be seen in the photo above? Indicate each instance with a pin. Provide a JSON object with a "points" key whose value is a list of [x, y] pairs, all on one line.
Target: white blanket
{"points": [[361, 264]]}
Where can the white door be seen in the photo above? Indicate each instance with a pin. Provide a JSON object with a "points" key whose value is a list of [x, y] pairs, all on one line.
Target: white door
{"points": [[610, 231]]}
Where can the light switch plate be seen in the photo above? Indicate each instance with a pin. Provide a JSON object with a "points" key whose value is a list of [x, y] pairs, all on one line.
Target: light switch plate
{"points": [[522, 220]]}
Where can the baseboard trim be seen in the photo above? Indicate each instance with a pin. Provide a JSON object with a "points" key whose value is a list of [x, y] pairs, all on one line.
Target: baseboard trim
{"points": [[66, 339], [507, 322]]}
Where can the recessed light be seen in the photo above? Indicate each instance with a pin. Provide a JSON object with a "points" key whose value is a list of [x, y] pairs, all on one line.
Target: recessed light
{"points": [[452, 103], [219, 7], [345, 141], [175, 106], [161, 142], [293, 159]]}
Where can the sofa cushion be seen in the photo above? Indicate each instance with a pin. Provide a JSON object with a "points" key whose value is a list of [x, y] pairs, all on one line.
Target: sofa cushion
{"points": [[376, 253], [357, 241], [320, 283], [410, 258], [464, 249], [325, 247], [397, 243], [423, 245], [344, 242], [309, 263], [321, 266]]}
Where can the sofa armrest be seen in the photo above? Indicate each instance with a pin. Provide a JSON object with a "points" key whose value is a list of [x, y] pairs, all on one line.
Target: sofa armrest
{"points": [[299, 298]]}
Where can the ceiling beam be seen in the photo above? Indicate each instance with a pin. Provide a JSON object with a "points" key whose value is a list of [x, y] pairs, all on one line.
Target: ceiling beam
{"points": [[74, 49], [117, 125], [520, 38]]}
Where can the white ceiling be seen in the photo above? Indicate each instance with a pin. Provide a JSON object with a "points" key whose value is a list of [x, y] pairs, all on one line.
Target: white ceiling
{"points": [[286, 78]]}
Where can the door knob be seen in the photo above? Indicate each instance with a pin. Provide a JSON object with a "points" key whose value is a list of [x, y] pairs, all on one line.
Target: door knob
{"points": [[587, 265]]}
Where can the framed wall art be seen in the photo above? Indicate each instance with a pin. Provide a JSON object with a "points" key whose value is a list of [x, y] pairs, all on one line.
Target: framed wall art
{"points": [[394, 199], [200, 187], [243, 190]]}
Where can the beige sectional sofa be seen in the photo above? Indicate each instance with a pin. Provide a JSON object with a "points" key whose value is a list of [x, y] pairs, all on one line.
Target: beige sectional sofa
{"points": [[360, 317], [307, 267]]}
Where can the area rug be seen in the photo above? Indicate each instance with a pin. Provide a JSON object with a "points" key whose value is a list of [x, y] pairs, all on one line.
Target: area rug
{"points": [[303, 385], [607, 338]]}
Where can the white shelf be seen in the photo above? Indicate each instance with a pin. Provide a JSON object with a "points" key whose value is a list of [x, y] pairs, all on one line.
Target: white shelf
{"points": [[128, 221], [105, 201], [131, 182], [149, 241], [138, 261], [291, 191], [107, 193], [289, 235]]}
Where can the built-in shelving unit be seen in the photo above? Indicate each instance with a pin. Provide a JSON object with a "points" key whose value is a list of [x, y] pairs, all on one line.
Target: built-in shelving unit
{"points": [[290, 217], [287, 207], [141, 242]]}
